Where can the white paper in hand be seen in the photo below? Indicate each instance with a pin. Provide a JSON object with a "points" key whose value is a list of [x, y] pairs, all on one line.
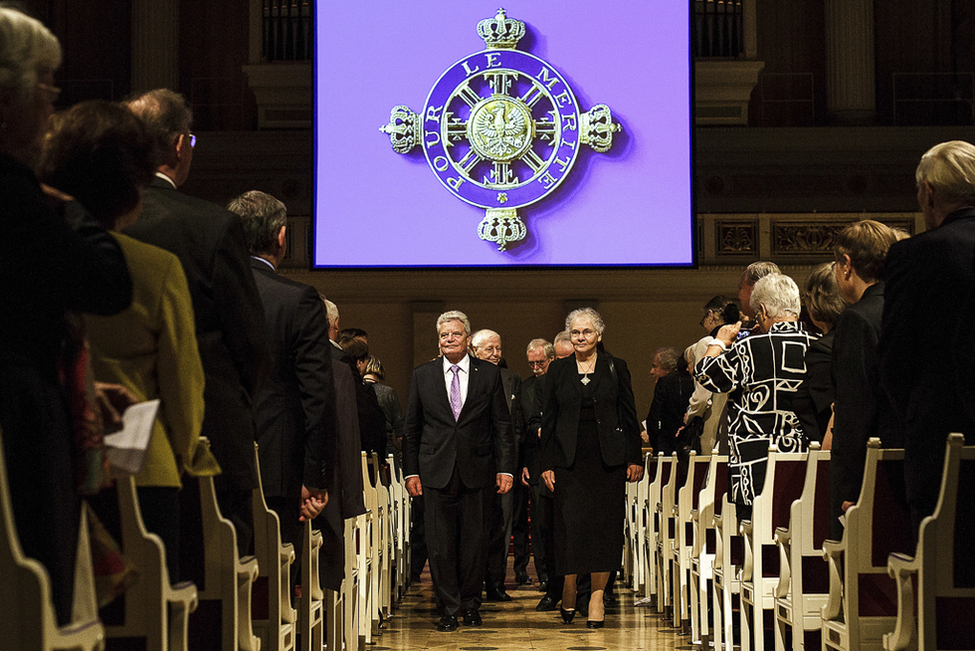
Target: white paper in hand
{"points": [[127, 448]]}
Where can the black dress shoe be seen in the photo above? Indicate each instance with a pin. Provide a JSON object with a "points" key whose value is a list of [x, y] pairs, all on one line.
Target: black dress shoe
{"points": [[447, 624], [546, 604], [496, 594], [472, 617], [543, 586], [567, 615], [593, 624], [522, 578]]}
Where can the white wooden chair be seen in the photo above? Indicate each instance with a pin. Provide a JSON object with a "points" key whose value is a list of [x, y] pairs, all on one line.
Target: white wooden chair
{"points": [[397, 509], [942, 566], [311, 604], [663, 515], [784, 475], [728, 556], [274, 619], [28, 620], [652, 577], [383, 541], [368, 565], [702, 550], [683, 542], [803, 576], [861, 606], [228, 578], [155, 610], [639, 525]]}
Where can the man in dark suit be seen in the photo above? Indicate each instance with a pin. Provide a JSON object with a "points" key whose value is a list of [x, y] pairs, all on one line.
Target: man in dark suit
{"points": [[458, 447], [230, 330], [292, 409], [507, 509], [926, 363]]}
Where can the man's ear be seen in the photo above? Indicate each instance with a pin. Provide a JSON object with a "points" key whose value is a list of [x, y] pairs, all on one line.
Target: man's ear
{"points": [[282, 239]]}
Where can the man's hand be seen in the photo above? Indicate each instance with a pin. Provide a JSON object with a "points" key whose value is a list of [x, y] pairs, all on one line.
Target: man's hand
{"points": [[312, 502], [634, 472], [525, 476], [414, 487], [505, 482], [549, 478]]}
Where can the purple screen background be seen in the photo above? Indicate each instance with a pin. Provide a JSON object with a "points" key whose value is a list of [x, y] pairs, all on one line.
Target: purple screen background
{"points": [[629, 206]]}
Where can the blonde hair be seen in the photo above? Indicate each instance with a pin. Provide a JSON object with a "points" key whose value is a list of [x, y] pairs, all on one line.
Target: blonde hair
{"points": [[950, 169]]}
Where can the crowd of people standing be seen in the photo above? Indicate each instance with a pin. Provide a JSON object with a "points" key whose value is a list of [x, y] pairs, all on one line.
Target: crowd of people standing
{"points": [[121, 289]]}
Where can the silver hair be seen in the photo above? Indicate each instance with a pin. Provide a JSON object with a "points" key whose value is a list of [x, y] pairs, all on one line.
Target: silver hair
{"points": [[26, 48], [758, 270], [950, 169], [481, 336], [560, 337], [587, 313], [331, 310], [454, 315], [547, 349], [668, 357], [779, 294]]}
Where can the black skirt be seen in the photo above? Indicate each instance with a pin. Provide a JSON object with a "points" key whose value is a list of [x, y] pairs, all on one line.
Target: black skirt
{"points": [[590, 506]]}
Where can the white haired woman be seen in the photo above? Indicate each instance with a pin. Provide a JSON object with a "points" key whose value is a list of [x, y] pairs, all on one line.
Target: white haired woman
{"points": [[590, 449], [53, 259], [766, 369]]}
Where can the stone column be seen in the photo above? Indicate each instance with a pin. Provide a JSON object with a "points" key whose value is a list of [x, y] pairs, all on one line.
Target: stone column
{"points": [[155, 44], [850, 69]]}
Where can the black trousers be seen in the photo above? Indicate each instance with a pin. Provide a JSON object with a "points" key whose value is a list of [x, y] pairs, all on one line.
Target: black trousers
{"points": [[455, 522]]}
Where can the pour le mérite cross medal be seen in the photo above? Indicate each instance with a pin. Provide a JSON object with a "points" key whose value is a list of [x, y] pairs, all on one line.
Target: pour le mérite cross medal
{"points": [[501, 129]]}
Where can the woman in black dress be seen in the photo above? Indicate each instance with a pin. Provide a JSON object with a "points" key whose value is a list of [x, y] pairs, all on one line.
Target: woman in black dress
{"points": [[590, 449]]}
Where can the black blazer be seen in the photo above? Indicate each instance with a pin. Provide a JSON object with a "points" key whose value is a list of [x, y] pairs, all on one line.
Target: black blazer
{"points": [[480, 444], [530, 398], [230, 329], [616, 421], [292, 409]]}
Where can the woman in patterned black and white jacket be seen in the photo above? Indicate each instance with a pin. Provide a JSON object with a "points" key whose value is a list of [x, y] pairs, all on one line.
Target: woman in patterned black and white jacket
{"points": [[761, 373]]}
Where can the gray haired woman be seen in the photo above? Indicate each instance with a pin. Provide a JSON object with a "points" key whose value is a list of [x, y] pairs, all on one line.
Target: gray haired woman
{"points": [[767, 369]]}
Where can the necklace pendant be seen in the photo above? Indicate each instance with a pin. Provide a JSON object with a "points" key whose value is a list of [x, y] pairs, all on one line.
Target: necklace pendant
{"points": [[585, 379]]}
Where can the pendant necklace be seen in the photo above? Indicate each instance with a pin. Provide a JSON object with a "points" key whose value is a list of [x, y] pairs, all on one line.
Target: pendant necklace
{"points": [[585, 378]]}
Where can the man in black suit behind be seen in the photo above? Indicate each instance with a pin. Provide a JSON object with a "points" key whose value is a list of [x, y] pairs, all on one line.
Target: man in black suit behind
{"points": [[292, 410], [230, 331], [458, 446], [925, 349]]}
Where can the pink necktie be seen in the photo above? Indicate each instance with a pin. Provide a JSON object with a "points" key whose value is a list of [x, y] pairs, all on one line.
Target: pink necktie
{"points": [[455, 401]]}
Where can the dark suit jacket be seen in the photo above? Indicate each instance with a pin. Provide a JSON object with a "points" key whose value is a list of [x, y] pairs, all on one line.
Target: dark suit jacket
{"points": [[480, 444], [925, 342], [292, 408], [814, 399], [860, 406], [230, 329], [616, 421], [511, 384], [530, 394], [670, 399]]}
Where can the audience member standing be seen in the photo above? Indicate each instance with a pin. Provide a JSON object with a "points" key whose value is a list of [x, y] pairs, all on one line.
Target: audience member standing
{"points": [[101, 154], [292, 410], [230, 329], [763, 371], [860, 409], [53, 258], [375, 375], [746, 284], [703, 404], [670, 399], [458, 447], [813, 403], [925, 344]]}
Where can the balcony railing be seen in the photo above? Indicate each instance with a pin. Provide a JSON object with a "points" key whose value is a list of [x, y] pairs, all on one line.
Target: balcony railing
{"points": [[287, 30], [717, 29]]}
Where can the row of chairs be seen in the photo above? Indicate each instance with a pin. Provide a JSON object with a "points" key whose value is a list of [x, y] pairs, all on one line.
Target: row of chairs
{"points": [[240, 604], [775, 580]]}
